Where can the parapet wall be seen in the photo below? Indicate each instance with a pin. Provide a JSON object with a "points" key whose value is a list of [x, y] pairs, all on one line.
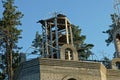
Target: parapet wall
{"points": [[113, 74], [55, 69], [70, 63], [52, 69]]}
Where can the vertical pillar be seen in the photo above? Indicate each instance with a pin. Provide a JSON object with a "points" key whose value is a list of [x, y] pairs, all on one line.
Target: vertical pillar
{"points": [[67, 36], [46, 39], [56, 35], [69, 57], [43, 42], [71, 35], [51, 49]]}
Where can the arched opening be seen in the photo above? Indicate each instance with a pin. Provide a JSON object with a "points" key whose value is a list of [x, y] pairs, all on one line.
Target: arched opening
{"points": [[68, 49], [118, 65], [118, 37], [71, 79], [68, 54]]}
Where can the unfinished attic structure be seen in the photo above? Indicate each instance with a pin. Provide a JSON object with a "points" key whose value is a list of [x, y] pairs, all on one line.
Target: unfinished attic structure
{"points": [[57, 38]]}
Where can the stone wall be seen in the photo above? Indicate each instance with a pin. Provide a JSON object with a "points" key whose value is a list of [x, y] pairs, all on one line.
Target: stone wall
{"points": [[113, 74], [63, 70], [28, 70], [54, 69]]}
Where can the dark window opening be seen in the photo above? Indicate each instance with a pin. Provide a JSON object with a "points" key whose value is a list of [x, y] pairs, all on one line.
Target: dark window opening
{"points": [[68, 54], [71, 79], [118, 65], [118, 37]]}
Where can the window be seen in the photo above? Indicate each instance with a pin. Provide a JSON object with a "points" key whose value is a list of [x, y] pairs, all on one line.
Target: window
{"points": [[118, 65], [68, 54]]}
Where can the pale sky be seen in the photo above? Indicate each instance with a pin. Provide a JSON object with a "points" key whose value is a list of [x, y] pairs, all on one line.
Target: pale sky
{"points": [[93, 17]]}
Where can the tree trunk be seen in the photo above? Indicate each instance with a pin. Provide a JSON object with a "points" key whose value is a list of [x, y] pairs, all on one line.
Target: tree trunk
{"points": [[9, 61], [11, 69]]}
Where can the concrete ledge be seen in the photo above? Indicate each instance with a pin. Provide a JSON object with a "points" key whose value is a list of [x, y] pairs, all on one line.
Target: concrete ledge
{"points": [[44, 68], [113, 74], [70, 63], [56, 69]]}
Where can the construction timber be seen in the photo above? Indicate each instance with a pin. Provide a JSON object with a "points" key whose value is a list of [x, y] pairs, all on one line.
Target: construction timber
{"points": [[56, 31]]}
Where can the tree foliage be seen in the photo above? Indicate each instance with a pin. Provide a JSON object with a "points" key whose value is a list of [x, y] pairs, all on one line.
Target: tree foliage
{"points": [[3, 64], [9, 35], [36, 43], [79, 42], [115, 22], [106, 62]]}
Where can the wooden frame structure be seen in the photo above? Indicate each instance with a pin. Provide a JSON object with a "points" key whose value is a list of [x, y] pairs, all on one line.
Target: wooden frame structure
{"points": [[56, 31]]}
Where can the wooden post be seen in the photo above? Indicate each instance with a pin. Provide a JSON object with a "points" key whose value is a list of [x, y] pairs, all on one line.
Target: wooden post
{"points": [[51, 49], [46, 39], [67, 36], [71, 35], [43, 48], [56, 36]]}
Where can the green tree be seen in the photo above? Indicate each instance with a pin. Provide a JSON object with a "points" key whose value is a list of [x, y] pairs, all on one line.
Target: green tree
{"points": [[36, 43], [79, 42], [115, 21], [106, 62], [15, 64], [9, 34]]}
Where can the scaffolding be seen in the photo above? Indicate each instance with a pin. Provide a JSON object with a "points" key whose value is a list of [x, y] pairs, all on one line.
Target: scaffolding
{"points": [[56, 31]]}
